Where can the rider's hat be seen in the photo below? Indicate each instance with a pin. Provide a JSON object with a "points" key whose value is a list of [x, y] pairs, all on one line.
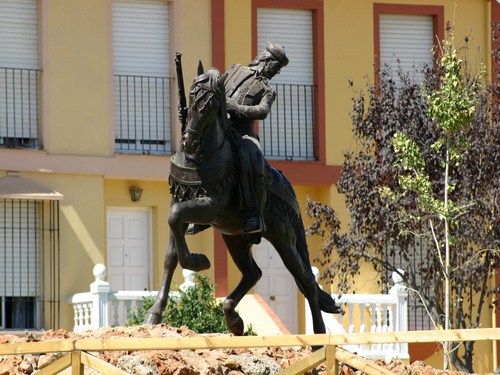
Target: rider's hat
{"points": [[278, 52]]}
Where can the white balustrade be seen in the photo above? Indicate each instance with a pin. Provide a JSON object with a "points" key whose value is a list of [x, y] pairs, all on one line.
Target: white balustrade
{"points": [[103, 307], [361, 312], [370, 313]]}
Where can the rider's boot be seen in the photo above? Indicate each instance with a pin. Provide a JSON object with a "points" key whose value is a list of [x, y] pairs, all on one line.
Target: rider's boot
{"points": [[252, 182], [254, 226], [254, 223]]}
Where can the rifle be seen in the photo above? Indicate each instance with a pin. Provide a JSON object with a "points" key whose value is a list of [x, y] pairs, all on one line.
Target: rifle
{"points": [[182, 94]]}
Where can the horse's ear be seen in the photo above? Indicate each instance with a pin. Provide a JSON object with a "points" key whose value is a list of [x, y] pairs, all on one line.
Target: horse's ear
{"points": [[200, 68], [222, 78]]}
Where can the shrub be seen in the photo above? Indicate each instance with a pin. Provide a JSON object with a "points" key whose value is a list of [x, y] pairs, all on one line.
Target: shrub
{"points": [[195, 308], [136, 315]]}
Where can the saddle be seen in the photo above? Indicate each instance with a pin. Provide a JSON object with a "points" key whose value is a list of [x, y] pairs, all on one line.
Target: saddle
{"points": [[188, 183], [280, 196]]}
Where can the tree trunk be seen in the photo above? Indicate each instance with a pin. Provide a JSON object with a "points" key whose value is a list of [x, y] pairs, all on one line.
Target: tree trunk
{"points": [[459, 364]]}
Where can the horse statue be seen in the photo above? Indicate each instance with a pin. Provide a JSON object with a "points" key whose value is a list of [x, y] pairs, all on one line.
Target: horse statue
{"points": [[204, 190]]}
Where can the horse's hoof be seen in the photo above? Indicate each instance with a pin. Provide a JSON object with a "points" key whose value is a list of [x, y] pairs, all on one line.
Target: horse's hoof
{"points": [[152, 319], [337, 309], [233, 320], [198, 262], [235, 325]]}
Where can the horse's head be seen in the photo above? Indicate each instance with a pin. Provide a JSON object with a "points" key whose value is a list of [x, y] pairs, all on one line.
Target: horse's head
{"points": [[207, 104]]}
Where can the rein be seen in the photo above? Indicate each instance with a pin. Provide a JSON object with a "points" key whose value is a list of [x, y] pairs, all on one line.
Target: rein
{"points": [[201, 85], [215, 151]]}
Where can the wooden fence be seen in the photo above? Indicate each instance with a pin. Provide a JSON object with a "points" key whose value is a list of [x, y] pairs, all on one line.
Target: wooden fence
{"points": [[78, 349]]}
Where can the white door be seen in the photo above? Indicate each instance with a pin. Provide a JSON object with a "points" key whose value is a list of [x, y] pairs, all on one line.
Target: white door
{"points": [[129, 248], [277, 286]]}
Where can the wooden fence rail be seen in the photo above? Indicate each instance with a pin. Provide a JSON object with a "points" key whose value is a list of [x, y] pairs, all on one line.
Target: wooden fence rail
{"points": [[78, 349]]}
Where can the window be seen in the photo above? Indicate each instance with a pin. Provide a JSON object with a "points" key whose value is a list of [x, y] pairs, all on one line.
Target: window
{"points": [[20, 252], [29, 264], [142, 82], [289, 131], [405, 36], [19, 74], [406, 43]]}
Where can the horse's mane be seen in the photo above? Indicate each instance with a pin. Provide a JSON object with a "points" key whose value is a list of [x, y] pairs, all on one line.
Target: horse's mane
{"points": [[213, 82]]}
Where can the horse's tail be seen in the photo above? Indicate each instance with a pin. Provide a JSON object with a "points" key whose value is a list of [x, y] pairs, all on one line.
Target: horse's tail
{"points": [[301, 243], [326, 302]]}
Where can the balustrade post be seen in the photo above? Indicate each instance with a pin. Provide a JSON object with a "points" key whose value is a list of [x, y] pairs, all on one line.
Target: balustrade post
{"points": [[189, 280], [401, 324], [100, 290]]}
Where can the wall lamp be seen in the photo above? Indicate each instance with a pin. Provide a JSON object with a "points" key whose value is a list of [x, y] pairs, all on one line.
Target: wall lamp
{"points": [[135, 193]]}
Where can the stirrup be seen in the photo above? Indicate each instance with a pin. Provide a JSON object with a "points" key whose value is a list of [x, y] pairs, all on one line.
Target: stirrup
{"points": [[196, 228], [254, 224]]}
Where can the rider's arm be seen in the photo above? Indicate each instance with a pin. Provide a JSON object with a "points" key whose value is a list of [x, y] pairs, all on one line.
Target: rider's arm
{"points": [[256, 112]]}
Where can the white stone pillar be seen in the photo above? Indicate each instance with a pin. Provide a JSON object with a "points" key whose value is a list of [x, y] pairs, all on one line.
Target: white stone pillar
{"points": [[100, 290], [401, 324]]}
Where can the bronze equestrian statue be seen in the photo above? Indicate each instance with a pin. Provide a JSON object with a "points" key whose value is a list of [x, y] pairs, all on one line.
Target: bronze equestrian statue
{"points": [[205, 183]]}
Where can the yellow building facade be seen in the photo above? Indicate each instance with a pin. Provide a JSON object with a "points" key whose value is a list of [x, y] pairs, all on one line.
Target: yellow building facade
{"points": [[76, 155]]}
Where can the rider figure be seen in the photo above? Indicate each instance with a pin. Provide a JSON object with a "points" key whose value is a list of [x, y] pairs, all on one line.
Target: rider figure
{"points": [[249, 98]]}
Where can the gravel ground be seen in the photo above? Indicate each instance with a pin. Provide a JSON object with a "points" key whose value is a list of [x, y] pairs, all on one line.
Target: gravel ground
{"points": [[256, 361]]}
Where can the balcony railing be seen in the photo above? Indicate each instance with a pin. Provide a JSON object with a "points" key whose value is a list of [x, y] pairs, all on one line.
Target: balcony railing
{"points": [[143, 119], [375, 313], [288, 133], [142, 115], [19, 106]]}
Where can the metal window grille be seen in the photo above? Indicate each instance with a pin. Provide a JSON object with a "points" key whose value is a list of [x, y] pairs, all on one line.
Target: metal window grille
{"points": [[142, 114], [19, 108], [29, 254], [288, 131], [418, 318], [141, 52]]}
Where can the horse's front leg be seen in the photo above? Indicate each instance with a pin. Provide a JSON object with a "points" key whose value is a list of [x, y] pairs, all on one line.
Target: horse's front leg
{"points": [[154, 314], [199, 210]]}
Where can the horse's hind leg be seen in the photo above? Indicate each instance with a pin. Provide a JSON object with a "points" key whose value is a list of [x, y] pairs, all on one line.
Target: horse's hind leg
{"points": [[154, 315], [240, 250], [306, 282]]}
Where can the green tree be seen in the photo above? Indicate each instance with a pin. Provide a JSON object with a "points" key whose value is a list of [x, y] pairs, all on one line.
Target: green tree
{"points": [[422, 188], [451, 106]]}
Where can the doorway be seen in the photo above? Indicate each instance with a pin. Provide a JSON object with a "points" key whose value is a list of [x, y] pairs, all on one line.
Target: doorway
{"points": [[277, 286], [129, 248]]}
